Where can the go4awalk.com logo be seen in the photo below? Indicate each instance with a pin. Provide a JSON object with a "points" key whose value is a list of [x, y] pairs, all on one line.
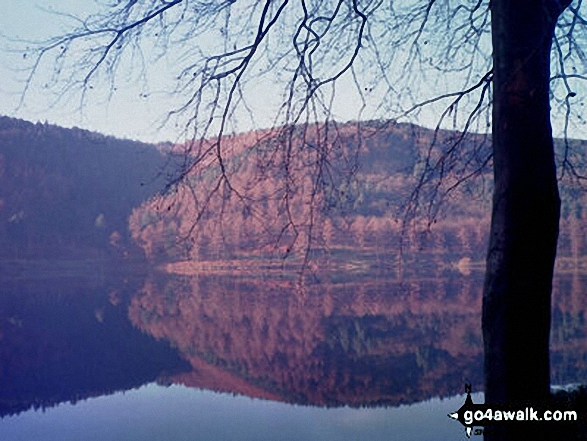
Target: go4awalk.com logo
{"points": [[473, 415]]}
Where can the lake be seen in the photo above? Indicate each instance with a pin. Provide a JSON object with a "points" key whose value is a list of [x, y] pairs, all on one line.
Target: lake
{"points": [[127, 353]]}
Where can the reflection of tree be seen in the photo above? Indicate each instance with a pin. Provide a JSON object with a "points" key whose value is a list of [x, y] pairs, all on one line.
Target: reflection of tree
{"points": [[359, 343], [352, 343], [49, 358], [315, 44]]}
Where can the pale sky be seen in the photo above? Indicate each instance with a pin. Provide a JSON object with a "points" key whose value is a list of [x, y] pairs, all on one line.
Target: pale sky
{"points": [[137, 107], [126, 115], [135, 111]]}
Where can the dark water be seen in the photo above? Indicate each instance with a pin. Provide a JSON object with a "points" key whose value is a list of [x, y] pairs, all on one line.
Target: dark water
{"points": [[125, 356]]}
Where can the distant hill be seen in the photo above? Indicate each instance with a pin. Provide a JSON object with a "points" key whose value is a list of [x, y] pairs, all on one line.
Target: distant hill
{"points": [[68, 193], [74, 194], [355, 212]]}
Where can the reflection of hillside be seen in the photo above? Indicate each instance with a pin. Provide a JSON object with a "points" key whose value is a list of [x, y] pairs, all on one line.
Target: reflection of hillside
{"points": [[569, 329], [69, 339], [375, 342], [357, 344]]}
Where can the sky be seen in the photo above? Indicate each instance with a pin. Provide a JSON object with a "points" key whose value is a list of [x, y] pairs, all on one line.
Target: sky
{"points": [[138, 107], [126, 115], [135, 111]]}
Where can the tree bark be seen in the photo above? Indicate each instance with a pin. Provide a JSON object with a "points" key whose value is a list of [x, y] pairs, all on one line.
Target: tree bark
{"points": [[526, 208]]}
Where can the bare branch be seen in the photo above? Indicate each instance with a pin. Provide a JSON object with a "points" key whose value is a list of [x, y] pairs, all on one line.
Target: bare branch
{"points": [[380, 57]]}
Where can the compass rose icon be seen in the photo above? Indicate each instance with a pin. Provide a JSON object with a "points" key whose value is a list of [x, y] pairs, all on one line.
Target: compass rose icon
{"points": [[460, 414]]}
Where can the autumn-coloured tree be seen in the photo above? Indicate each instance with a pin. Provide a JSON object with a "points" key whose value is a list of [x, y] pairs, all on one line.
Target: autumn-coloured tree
{"points": [[493, 56]]}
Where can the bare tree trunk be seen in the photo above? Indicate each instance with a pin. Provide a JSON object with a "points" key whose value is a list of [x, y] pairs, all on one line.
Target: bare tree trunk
{"points": [[526, 208]]}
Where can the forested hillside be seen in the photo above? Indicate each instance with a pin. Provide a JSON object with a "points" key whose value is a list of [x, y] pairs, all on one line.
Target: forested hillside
{"points": [[71, 194], [68, 193], [356, 212]]}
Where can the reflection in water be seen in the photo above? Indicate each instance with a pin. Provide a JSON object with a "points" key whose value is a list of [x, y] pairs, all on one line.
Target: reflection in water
{"points": [[182, 414], [368, 342], [362, 343], [67, 339]]}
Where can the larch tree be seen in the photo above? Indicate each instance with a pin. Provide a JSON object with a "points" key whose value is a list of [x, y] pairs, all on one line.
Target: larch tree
{"points": [[497, 65]]}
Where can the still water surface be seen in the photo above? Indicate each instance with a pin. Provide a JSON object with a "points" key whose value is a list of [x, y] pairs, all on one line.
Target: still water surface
{"points": [[217, 357], [178, 413]]}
